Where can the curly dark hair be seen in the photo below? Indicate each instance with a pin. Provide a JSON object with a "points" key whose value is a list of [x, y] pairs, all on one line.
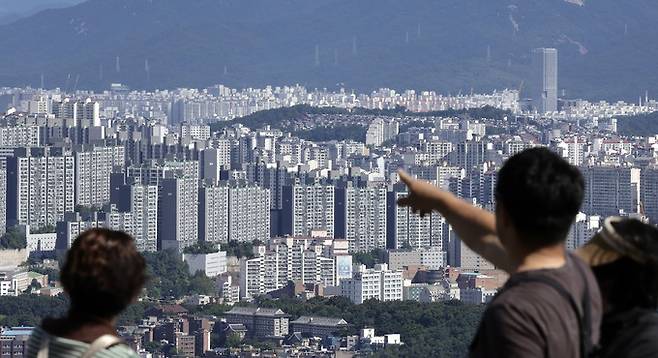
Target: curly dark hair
{"points": [[103, 273]]}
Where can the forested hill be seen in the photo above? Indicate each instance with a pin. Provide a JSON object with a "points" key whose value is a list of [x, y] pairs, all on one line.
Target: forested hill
{"points": [[607, 47], [639, 125], [306, 121]]}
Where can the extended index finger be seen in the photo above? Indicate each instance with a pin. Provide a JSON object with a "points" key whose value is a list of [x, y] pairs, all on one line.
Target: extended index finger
{"points": [[405, 177]]}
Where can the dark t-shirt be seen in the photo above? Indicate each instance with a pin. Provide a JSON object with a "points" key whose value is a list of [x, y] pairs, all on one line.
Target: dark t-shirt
{"points": [[531, 319]]}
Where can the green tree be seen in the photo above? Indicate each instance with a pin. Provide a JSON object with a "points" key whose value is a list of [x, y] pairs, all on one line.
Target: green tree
{"points": [[371, 258], [13, 239], [240, 249], [201, 284], [233, 341], [201, 248], [169, 276]]}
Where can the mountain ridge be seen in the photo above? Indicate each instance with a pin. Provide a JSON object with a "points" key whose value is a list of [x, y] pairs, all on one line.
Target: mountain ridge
{"points": [[606, 48]]}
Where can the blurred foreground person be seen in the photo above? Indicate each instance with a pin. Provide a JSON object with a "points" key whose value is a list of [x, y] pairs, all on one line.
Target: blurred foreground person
{"points": [[102, 275], [624, 257], [551, 304]]}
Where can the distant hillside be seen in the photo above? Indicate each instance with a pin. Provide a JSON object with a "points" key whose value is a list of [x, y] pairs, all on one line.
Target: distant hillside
{"points": [[607, 47], [291, 119], [639, 125], [13, 10]]}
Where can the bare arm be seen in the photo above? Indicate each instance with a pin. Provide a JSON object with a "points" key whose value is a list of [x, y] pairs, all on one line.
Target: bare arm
{"points": [[475, 226]]}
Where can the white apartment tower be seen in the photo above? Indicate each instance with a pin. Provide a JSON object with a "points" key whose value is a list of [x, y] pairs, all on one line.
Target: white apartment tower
{"points": [[248, 213], [361, 217], [40, 186], [93, 167], [381, 130], [307, 208]]}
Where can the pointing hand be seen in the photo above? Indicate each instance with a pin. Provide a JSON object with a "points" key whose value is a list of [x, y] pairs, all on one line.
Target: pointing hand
{"points": [[422, 194]]}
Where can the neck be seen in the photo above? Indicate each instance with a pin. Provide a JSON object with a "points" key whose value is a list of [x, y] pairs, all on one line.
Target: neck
{"points": [[551, 257], [87, 319]]}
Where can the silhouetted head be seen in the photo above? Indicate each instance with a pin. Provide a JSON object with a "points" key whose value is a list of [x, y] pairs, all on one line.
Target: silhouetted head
{"points": [[624, 258], [538, 195], [103, 273]]}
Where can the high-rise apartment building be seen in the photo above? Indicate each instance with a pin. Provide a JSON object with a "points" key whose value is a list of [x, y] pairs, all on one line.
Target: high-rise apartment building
{"points": [[213, 214], [361, 217], [93, 168], [543, 86], [178, 199], [306, 208], [84, 113], [470, 154], [409, 230], [215, 159], [40, 186], [582, 230], [611, 190], [649, 193], [3, 197], [178, 226], [381, 130], [135, 212], [248, 212], [20, 135], [286, 259]]}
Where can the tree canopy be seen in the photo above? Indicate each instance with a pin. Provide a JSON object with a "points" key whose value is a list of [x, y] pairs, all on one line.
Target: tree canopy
{"points": [[170, 277], [442, 329], [13, 239]]}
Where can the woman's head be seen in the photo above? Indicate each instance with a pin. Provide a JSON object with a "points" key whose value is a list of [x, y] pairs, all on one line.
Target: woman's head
{"points": [[103, 273], [624, 256]]}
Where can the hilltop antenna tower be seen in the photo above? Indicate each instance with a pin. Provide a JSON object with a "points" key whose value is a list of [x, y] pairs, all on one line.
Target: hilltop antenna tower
{"points": [[75, 85], [66, 85], [147, 68]]}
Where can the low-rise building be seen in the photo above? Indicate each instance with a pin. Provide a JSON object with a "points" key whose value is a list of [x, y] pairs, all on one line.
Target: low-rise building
{"points": [[13, 342], [317, 326], [431, 257], [378, 283], [211, 264], [260, 322]]}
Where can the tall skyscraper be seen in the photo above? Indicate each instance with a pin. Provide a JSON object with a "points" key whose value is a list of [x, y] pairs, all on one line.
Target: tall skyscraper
{"points": [[543, 85]]}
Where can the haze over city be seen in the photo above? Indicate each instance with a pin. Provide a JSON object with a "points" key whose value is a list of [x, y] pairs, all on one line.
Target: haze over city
{"points": [[268, 160]]}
